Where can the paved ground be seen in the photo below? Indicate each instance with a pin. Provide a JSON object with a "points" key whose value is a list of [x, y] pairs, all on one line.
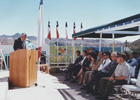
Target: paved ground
{"points": [[55, 89], [3, 84]]}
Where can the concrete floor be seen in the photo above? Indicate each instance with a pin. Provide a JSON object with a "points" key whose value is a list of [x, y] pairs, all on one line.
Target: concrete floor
{"points": [[55, 89]]}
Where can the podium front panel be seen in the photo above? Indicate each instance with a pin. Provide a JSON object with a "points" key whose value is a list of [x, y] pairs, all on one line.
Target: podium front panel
{"points": [[23, 68]]}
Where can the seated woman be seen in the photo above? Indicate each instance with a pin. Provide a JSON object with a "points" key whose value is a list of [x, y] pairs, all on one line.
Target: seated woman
{"points": [[84, 69]]}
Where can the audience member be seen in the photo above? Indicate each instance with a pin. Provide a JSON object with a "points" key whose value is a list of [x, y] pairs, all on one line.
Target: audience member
{"points": [[84, 68], [135, 55], [94, 65], [126, 57], [80, 64], [119, 77], [132, 61], [71, 67], [105, 61]]}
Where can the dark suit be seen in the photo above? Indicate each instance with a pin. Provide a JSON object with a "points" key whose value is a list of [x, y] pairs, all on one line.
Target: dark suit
{"points": [[86, 65], [18, 44], [78, 67], [71, 67], [108, 71], [78, 59]]}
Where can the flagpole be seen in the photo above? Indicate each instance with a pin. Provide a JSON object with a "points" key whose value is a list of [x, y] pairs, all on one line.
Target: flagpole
{"points": [[66, 41], [73, 50], [81, 45], [57, 52], [81, 39], [49, 53], [66, 53]]}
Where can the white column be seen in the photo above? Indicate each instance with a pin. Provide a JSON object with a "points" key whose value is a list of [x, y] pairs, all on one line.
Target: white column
{"points": [[100, 44]]}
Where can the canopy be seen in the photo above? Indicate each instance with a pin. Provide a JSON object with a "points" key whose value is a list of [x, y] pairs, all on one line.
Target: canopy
{"points": [[125, 27]]}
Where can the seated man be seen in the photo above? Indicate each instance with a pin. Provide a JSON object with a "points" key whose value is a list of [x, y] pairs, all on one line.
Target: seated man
{"points": [[119, 77], [85, 67], [72, 66], [132, 61], [94, 65], [79, 66], [104, 63]]}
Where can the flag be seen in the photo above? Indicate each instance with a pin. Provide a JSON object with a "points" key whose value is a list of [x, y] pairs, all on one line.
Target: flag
{"points": [[81, 30], [57, 33], [40, 38], [66, 31], [49, 31], [74, 29]]}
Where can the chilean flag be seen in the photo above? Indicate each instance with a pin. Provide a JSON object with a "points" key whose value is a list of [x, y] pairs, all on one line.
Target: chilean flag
{"points": [[81, 30], [49, 31], [66, 31], [74, 29], [40, 38], [57, 33]]}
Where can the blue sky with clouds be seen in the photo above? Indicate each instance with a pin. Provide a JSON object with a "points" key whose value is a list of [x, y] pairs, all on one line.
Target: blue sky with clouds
{"points": [[22, 15]]}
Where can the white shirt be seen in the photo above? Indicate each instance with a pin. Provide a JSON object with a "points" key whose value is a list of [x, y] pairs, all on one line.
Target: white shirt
{"points": [[102, 66], [83, 60], [24, 42], [123, 70], [133, 63]]}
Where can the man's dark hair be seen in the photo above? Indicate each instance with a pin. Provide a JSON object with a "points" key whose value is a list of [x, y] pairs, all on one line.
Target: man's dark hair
{"points": [[89, 54], [96, 52], [135, 53], [78, 52], [107, 53], [94, 56], [85, 52]]}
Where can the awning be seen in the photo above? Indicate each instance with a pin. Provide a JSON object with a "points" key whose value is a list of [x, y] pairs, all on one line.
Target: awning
{"points": [[125, 27]]}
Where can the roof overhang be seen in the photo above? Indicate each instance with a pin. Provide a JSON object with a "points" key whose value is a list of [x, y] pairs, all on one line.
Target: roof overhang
{"points": [[126, 27]]}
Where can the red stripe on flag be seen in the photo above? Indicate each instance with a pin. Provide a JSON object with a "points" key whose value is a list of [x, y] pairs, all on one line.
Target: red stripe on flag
{"points": [[39, 52], [49, 35], [57, 33], [74, 33]]}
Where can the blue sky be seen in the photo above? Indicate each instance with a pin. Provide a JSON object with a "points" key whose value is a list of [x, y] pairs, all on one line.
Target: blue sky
{"points": [[22, 15]]}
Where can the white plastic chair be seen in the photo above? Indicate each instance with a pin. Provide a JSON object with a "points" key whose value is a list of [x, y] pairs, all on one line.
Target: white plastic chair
{"points": [[132, 89], [133, 80], [133, 68]]}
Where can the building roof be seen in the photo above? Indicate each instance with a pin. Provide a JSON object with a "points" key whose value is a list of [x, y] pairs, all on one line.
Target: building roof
{"points": [[125, 27]]}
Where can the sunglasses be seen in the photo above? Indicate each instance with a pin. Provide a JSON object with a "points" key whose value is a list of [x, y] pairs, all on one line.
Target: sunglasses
{"points": [[105, 55]]}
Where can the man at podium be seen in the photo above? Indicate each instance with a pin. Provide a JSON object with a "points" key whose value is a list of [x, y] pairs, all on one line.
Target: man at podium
{"points": [[20, 43]]}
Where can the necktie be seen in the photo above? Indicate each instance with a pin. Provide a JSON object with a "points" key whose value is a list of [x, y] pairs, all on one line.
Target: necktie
{"points": [[104, 62], [24, 45]]}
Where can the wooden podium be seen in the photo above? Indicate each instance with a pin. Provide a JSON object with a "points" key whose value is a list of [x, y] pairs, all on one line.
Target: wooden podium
{"points": [[23, 68]]}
